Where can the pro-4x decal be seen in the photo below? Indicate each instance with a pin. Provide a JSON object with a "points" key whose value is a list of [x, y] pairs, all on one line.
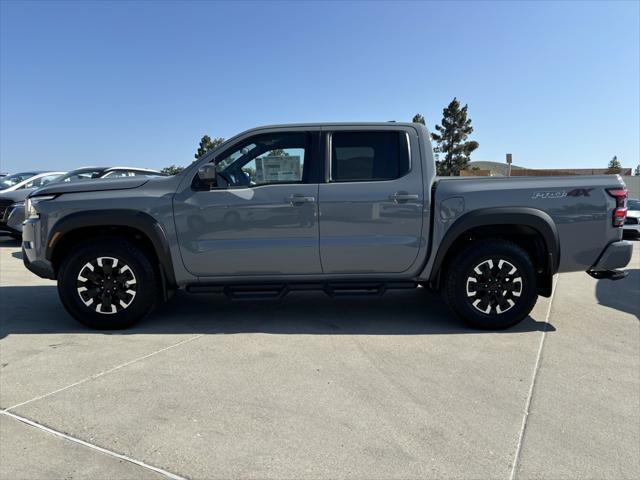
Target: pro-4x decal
{"points": [[576, 192]]}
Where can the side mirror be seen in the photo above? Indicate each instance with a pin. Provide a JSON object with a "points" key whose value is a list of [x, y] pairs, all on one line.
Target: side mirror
{"points": [[207, 173]]}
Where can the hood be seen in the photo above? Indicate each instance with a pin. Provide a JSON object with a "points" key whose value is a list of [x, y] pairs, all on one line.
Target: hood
{"points": [[91, 186], [633, 213], [16, 195]]}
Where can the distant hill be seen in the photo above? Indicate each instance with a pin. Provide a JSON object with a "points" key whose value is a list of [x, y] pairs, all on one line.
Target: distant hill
{"points": [[500, 169]]}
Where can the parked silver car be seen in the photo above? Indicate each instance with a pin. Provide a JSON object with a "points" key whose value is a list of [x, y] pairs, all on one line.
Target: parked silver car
{"points": [[23, 180], [14, 189], [12, 202]]}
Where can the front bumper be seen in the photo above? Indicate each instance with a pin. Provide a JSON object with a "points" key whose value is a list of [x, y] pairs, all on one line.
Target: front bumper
{"points": [[41, 269], [7, 230], [9, 222], [34, 250], [15, 219], [616, 255]]}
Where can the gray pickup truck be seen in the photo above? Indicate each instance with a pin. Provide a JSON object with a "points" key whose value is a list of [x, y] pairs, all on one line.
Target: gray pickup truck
{"points": [[349, 209]]}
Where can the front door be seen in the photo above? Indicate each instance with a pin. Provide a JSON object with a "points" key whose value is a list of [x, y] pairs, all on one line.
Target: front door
{"points": [[371, 208], [260, 217]]}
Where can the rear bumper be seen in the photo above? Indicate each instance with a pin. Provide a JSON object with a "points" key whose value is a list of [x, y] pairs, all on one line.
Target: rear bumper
{"points": [[616, 255]]}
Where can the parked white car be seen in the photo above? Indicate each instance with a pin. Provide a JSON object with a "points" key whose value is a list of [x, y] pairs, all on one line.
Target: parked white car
{"points": [[32, 179], [632, 222]]}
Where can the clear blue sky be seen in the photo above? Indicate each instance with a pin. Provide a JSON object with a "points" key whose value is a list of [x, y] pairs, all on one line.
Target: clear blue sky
{"points": [[556, 84]]}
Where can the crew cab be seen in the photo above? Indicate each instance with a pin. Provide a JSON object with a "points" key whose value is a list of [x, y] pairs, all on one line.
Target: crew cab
{"points": [[349, 209]]}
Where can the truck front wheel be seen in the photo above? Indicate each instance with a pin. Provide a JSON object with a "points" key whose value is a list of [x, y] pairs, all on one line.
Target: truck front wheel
{"points": [[491, 284], [107, 284]]}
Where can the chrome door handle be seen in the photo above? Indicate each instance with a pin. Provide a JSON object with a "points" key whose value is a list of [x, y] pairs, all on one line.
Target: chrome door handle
{"points": [[298, 199], [401, 197]]}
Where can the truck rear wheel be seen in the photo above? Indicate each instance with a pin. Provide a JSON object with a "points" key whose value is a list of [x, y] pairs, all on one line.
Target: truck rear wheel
{"points": [[107, 284], [491, 284]]}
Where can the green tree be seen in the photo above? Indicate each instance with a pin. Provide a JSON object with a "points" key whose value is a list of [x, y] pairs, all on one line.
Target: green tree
{"points": [[278, 152], [451, 139], [417, 118], [614, 165], [172, 170], [637, 171], [206, 144]]}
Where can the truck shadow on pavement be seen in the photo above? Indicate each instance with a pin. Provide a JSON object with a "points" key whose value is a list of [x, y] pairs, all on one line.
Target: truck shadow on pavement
{"points": [[37, 309], [623, 295]]}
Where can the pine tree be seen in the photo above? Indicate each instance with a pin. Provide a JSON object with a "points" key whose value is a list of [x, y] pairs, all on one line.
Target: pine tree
{"points": [[614, 165], [452, 141], [207, 144], [417, 118]]}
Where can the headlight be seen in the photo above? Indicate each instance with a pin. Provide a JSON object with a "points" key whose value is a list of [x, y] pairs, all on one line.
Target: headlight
{"points": [[31, 203]]}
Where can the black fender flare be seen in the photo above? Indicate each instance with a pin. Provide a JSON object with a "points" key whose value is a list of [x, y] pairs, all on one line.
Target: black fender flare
{"points": [[137, 220], [531, 217]]}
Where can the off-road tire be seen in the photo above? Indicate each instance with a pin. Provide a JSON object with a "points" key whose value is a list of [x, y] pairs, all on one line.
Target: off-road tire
{"points": [[145, 285], [463, 285]]}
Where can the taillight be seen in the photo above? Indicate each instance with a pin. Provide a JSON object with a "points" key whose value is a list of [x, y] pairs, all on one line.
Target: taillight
{"points": [[620, 213]]}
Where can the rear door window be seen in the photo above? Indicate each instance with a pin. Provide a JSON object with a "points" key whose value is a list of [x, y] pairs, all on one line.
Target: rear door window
{"points": [[368, 156]]}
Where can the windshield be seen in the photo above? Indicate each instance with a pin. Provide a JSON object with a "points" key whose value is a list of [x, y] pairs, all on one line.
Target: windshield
{"points": [[222, 165], [76, 175], [11, 180], [633, 204]]}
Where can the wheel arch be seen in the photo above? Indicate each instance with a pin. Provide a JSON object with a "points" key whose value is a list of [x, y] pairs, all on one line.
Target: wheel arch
{"points": [[531, 228], [138, 226]]}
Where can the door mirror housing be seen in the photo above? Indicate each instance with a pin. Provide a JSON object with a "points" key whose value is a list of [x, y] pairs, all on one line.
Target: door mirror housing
{"points": [[207, 173]]}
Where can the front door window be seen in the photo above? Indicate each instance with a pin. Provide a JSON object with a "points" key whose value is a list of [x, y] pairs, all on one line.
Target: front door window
{"points": [[264, 160]]}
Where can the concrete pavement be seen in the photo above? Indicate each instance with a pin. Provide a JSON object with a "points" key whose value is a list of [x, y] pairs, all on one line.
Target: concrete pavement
{"points": [[318, 388]]}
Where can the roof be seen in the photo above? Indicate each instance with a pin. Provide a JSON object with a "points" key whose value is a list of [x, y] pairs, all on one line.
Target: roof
{"points": [[138, 169], [86, 169], [339, 124]]}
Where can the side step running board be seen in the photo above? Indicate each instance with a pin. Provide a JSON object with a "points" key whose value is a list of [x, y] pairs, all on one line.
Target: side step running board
{"points": [[277, 291]]}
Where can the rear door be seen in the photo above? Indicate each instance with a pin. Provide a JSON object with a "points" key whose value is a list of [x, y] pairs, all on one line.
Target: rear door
{"points": [[371, 205]]}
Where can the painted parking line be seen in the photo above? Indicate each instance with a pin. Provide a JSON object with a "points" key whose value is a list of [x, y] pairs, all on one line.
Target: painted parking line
{"points": [[536, 368], [111, 453], [104, 372]]}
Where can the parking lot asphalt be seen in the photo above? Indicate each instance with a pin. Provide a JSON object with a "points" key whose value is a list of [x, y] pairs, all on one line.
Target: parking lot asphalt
{"points": [[312, 387]]}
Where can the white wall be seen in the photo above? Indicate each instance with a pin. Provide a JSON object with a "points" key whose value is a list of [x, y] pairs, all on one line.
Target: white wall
{"points": [[633, 186]]}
